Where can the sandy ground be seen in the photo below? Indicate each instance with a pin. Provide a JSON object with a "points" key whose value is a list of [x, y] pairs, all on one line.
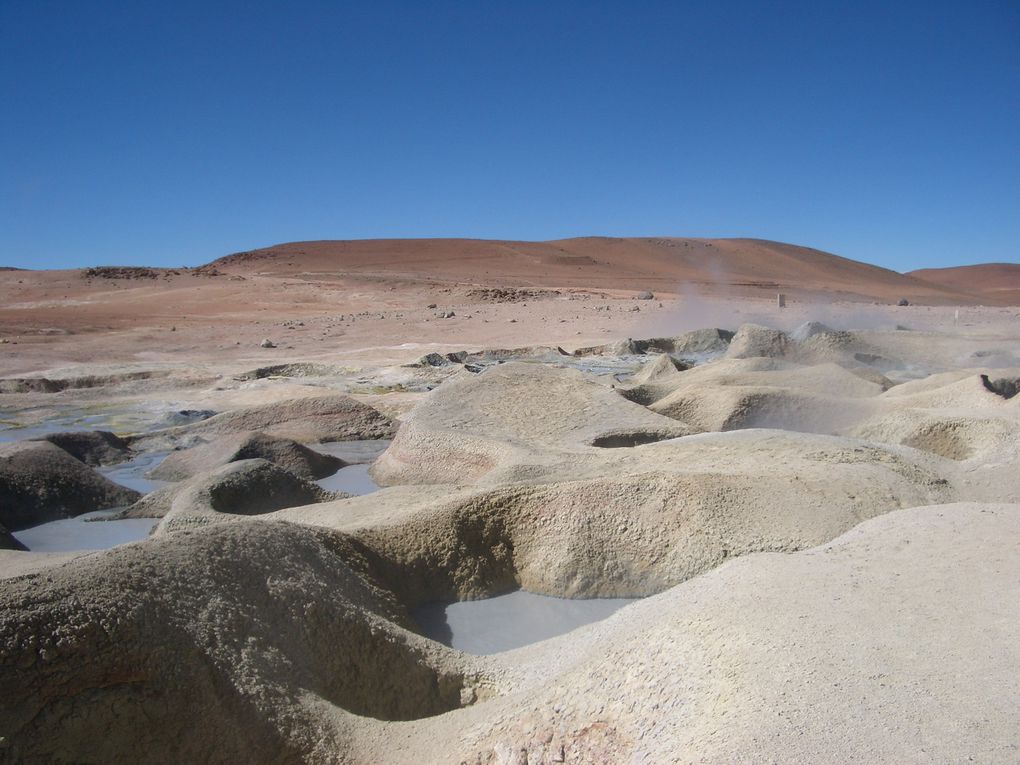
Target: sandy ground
{"points": [[53, 320]]}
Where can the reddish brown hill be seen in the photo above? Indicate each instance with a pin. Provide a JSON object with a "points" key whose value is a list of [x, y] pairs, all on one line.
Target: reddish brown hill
{"points": [[996, 282], [664, 264]]}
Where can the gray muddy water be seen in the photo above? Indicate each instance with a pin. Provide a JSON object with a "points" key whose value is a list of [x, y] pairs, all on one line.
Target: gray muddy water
{"points": [[132, 473], [510, 621], [73, 534], [353, 478]]}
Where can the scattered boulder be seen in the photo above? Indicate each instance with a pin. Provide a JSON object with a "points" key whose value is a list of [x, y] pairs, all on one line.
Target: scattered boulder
{"points": [[903, 302], [283, 452], [1005, 387], [267, 343], [646, 295], [40, 482], [93, 447]]}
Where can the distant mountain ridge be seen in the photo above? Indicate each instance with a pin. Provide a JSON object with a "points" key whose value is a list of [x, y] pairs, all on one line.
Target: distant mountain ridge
{"points": [[667, 264], [997, 282]]}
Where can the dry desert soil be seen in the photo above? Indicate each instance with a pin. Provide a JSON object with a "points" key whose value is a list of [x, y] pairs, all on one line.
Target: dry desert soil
{"points": [[799, 526]]}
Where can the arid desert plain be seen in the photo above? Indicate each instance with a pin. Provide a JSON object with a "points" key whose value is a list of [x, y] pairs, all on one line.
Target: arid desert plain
{"points": [[456, 501]]}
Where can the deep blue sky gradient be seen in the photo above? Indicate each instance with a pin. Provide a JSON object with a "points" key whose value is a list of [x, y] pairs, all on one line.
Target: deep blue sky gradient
{"points": [[172, 133]]}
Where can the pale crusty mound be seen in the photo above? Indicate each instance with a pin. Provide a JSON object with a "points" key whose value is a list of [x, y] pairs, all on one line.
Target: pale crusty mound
{"points": [[257, 634], [240, 488], [515, 417], [260, 622], [285, 452], [40, 482], [308, 420]]}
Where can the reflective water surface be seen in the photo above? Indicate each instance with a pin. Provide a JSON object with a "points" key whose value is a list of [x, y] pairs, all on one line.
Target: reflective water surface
{"points": [[78, 533], [509, 621]]}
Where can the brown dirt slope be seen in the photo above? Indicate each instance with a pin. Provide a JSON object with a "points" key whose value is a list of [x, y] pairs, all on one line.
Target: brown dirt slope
{"points": [[998, 282], [632, 263]]}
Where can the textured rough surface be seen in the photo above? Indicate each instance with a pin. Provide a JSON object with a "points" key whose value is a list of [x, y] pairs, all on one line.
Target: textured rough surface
{"points": [[843, 593], [764, 658], [41, 482], [309, 420], [636, 523], [244, 487], [258, 634], [93, 447], [512, 419], [754, 340], [283, 452], [216, 646]]}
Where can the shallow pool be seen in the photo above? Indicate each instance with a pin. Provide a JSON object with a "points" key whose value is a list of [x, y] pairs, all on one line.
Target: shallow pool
{"points": [[73, 534], [353, 479], [354, 451], [132, 473], [509, 621]]}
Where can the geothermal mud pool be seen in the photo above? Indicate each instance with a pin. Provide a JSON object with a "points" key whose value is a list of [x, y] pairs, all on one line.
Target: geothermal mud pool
{"points": [[354, 478], [509, 621], [133, 472], [86, 532], [807, 531]]}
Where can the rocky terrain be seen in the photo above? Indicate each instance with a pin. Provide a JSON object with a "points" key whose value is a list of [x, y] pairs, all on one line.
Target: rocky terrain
{"points": [[817, 506]]}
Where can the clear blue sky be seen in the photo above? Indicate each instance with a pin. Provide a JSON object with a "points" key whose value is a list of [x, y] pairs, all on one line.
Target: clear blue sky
{"points": [[172, 133]]}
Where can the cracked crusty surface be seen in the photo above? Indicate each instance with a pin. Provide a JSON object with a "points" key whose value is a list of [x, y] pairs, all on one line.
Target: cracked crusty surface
{"points": [[847, 593]]}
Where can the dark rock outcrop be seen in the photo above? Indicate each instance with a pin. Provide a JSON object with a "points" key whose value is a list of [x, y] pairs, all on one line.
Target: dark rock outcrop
{"points": [[8, 542], [1005, 387]]}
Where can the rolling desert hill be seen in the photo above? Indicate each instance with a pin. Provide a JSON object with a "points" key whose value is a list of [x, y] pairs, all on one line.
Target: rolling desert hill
{"points": [[355, 297], [999, 283], [740, 266]]}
